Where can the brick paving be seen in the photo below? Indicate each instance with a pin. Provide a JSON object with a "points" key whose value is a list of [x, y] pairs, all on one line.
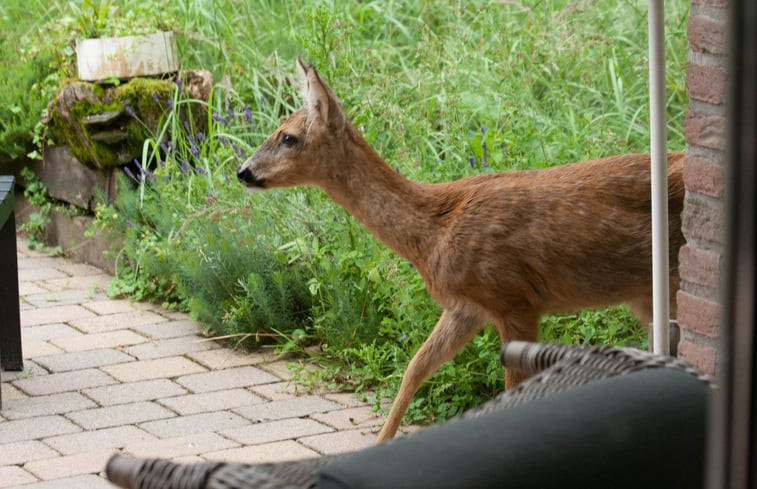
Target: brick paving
{"points": [[104, 376]]}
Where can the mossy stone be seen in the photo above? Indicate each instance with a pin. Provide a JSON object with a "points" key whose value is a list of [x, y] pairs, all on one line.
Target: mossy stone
{"points": [[106, 126]]}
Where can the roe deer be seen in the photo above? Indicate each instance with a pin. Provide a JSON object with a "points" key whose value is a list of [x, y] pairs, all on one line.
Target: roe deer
{"points": [[502, 248]]}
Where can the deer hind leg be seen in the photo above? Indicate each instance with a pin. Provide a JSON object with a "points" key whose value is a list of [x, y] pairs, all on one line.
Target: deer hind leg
{"points": [[643, 310], [643, 305], [517, 328], [452, 332]]}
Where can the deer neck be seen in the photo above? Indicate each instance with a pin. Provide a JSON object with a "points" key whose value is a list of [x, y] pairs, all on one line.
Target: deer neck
{"points": [[390, 206]]}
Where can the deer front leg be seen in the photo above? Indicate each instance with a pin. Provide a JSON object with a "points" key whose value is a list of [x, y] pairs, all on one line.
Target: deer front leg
{"points": [[452, 332], [523, 327]]}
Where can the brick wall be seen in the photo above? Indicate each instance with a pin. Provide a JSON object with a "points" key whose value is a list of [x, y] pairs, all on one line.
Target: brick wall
{"points": [[701, 259]]}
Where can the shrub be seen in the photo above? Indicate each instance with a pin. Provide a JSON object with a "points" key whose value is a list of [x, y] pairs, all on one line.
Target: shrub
{"points": [[37, 41], [25, 66]]}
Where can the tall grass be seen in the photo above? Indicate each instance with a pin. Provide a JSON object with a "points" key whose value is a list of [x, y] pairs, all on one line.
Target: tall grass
{"points": [[26, 65], [442, 90]]}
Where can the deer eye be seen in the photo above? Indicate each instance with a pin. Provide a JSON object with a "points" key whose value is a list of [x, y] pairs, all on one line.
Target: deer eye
{"points": [[288, 140]]}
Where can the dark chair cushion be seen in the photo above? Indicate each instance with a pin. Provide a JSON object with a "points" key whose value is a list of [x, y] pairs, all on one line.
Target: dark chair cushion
{"points": [[644, 429]]}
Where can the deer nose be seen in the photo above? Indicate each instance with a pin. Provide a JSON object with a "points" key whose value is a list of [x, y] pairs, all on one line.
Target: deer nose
{"points": [[245, 175]]}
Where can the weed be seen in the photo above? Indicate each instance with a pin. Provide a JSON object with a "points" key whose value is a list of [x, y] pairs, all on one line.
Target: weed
{"points": [[36, 223]]}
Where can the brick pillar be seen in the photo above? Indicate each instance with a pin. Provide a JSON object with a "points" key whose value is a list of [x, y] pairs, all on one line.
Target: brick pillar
{"points": [[701, 259]]}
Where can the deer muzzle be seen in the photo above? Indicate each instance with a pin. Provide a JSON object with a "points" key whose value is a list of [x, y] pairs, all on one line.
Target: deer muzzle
{"points": [[247, 177]]}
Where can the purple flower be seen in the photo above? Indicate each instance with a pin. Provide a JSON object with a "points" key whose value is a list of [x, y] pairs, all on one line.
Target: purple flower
{"points": [[144, 170], [483, 146], [215, 160], [191, 139], [177, 80], [239, 150], [129, 223], [201, 170], [223, 140], [247, 114], [155, 98], [185, 123], [472, 162], [166, 147], [220, 118], [200, 136], [193, 149], [184, 166], [169, 103], [230, 113], [130, 174], [129, 111]]}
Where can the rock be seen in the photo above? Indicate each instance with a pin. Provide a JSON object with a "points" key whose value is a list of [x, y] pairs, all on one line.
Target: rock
{"points": [[199, 83], [110, 137], [106, 126], [102, 117]]}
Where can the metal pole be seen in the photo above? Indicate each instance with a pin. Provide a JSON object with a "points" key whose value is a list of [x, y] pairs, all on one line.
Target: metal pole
{"points": [[660, 278]]}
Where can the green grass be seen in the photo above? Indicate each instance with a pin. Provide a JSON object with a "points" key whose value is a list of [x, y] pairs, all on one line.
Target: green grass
{"points": [[24, 65], [542, 83]]}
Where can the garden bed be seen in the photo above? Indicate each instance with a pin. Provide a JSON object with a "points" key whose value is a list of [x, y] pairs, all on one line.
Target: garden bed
{"points": [[74, 187]]}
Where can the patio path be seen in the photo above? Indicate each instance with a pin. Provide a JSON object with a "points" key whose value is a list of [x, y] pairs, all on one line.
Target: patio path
{"points": [[104, 376]]}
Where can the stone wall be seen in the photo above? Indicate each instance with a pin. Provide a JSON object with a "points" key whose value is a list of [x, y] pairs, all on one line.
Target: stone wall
{"points": [[701, 259]]}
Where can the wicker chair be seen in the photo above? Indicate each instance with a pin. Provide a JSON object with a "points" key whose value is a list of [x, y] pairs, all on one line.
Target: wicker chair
{"points": [[556, 368]]}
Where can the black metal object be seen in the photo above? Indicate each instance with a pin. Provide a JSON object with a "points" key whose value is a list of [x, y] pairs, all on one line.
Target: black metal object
{"points": [[10, 320]]}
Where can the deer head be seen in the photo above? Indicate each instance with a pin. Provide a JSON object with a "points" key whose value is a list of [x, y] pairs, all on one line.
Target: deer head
{"points": [[305, 149]]}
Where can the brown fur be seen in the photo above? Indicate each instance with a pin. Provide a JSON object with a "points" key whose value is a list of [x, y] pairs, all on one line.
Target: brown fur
{"points": [[502, 248]]}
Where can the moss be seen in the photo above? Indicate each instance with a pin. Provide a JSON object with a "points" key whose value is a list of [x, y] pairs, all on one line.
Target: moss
{"points": [[77, 100]]}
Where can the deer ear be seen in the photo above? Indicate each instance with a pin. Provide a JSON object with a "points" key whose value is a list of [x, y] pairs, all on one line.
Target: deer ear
{"points": [[321, 103]]}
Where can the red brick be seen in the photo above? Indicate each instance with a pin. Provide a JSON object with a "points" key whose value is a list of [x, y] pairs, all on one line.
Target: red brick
{"points": [[707, 35], [703, 176], [703, 220], [701, 356], [698, 314], [705, 130], [706, 83], [699, 266]]}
